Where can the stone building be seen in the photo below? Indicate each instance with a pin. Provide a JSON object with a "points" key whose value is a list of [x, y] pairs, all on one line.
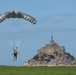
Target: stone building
{"points": [[51, 55]]}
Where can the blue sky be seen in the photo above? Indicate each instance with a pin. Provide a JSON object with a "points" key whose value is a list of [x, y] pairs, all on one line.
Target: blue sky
{"points": [[57, 17]]}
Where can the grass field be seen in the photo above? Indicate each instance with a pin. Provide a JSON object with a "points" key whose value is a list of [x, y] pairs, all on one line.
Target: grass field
{"points": [[14, 70]]}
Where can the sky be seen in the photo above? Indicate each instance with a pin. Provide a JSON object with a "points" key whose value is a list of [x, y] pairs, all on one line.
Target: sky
{"points": [[54, 17]]}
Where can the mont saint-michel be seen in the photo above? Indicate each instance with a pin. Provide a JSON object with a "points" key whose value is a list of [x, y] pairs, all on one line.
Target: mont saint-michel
{"points": [[52, 55]]}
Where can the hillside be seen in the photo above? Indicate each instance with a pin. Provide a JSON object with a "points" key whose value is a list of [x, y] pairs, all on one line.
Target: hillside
{"points": [[52, 55]]}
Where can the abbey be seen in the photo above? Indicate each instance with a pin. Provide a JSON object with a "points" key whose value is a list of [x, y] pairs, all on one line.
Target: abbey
{"points": [[52, 55]]}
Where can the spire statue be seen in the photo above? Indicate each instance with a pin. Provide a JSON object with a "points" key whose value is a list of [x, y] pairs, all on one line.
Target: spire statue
{"points": [[52, 40]]}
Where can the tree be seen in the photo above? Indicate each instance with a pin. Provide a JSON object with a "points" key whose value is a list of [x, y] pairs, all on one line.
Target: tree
{"points": [[69, 55], [52, 57], [36, 57]]}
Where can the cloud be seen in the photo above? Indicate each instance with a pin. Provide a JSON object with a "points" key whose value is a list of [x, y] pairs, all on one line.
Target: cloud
{"points": [[57, 18]]}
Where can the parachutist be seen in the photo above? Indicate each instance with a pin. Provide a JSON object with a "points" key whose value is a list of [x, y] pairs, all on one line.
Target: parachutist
{"points": [[15, 52]]}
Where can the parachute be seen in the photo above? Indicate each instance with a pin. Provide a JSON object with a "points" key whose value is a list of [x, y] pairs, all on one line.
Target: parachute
{"points": [[17, 14]]}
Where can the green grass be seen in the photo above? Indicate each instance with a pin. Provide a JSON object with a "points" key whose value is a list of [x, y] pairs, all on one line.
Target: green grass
{"points": [[14, 70]]}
